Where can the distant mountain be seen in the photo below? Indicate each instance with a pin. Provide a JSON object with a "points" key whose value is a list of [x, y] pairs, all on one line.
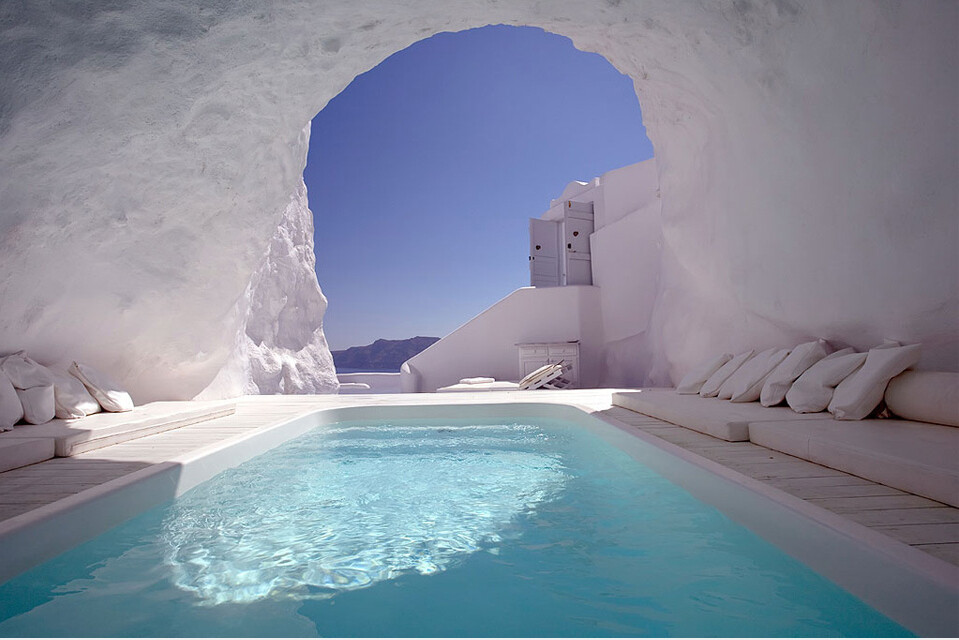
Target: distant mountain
{"points": [[382, 355]]}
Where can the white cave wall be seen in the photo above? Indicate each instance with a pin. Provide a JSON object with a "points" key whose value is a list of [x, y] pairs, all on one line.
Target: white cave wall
{"points": [[148, 154], [279, 346]]}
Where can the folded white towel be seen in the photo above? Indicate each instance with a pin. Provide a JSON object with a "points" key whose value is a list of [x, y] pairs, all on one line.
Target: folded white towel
{"points": [[477, 380]]}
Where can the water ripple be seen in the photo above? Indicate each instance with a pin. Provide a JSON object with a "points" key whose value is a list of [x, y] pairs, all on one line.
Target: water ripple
{"points": [[352, 506]]}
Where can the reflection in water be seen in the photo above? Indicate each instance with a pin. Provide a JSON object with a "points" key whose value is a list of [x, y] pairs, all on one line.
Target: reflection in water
{"points": [[350, 507]]}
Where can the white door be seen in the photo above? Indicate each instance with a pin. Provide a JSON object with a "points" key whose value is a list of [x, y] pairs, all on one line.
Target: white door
{"points": [[577, 267], [543, 253], [578, 270], [577, 232]]}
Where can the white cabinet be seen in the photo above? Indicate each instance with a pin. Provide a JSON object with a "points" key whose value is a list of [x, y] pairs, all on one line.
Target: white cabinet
{"points": [[533, 355]]}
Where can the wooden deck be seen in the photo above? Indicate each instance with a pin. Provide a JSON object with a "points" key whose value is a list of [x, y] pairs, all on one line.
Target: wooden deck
{"points": [[925, 524], [30, 487]]}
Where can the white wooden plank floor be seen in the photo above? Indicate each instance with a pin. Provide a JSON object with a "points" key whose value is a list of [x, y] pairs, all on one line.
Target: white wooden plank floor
{"points": [[30, 487], [925, 524]]}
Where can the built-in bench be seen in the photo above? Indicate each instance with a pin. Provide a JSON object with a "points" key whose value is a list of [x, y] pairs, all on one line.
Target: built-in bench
{"points": [[19, 452], [918, 457], [31, 443], [712, 416]]}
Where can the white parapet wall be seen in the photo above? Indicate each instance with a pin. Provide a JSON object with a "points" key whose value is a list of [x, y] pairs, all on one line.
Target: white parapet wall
{"points": [[486, 345], [379, 382]]}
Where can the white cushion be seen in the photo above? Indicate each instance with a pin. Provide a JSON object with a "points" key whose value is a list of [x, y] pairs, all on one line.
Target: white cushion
{"points": [[813, 390], [24, 373], [477, 380], [782, 377], [38, 404], [743, 374], [749, 388], [108, 393], [927, 396], [71, 397], [715, 381], [693, 381], [860, 393], [10, 408], [912, 456], [717, 418], [498, 385]]}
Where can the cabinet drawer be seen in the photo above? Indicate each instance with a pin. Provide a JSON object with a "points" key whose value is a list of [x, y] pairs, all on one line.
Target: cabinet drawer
{"points": [[534, 352]]}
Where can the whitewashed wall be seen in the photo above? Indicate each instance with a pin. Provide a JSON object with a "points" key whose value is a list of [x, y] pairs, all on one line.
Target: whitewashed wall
{"points": [[626, 190], [626, 258], [486, 345], [378, 382]]}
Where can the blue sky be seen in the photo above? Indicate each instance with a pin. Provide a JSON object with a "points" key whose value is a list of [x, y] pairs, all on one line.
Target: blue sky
{"points": [[423, 173]]}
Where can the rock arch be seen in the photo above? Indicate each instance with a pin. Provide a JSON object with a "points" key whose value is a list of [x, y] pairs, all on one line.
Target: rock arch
{"points": [[148, 155]]}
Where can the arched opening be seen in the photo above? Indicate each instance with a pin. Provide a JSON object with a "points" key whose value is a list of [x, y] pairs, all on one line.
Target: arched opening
{"points": [[424, 172], [156, 160]]}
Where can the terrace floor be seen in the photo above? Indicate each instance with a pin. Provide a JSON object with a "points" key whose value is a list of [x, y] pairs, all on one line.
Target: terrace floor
{"points": [[929, 526]]}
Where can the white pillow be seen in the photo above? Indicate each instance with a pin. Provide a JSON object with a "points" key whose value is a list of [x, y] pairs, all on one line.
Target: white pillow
{"points": [[24, 373], [108, 393], [928, 396], [749, 389], [38, 404], [477, 380], [860, 393], [693, 381], [782, 377], [10, 408], [715, 381], [814, 388], [71, 397], [726, 388], [743, 374]]}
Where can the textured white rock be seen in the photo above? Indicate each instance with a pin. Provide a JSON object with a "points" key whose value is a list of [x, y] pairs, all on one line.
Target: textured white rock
{"points": [[148, 153], [279, 346]]}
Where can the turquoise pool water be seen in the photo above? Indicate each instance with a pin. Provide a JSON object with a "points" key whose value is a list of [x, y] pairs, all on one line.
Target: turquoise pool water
{"points": [[433, 528]]}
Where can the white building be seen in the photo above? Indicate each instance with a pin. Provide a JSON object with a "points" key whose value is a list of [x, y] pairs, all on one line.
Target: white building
{"points": [[594, 273]]}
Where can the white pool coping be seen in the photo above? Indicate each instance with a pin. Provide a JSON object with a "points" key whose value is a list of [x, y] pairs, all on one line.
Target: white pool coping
{"points": [[913, 588]]}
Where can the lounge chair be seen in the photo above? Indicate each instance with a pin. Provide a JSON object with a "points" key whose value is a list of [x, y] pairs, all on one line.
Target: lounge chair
{"points": [[550, 376]]}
